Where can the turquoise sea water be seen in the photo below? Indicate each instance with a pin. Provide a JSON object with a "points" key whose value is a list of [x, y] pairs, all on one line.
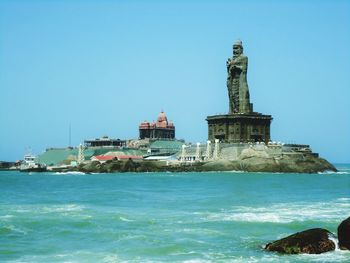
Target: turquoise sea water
{"points": [[173, 217]]}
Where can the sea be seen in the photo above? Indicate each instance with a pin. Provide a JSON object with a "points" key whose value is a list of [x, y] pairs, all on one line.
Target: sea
{"points": [[166, 217]]}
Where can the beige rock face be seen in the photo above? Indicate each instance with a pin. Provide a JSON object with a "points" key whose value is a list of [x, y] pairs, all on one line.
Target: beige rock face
{"points": [[250, 152], [253, 161]]}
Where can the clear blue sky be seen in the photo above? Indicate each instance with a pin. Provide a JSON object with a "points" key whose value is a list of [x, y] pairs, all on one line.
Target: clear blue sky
{"points": [[105, 66]]}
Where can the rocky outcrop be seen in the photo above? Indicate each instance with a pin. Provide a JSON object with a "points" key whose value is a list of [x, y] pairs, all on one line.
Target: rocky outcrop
{"points": [[312, 241], [250, 152], [344, 234], [274, 158], [122, 166], [249, 160], [6, 165], [130, 166], [260, 163], [89, 167], [255, 163]]}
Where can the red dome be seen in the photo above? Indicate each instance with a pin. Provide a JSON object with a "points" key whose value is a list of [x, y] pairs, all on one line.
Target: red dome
{"points": [[144, 125], [162, 120], [162, 117]]}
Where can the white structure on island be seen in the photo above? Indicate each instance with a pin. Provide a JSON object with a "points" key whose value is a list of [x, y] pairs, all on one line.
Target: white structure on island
{"points": [[216, 150], [183, 153], [208, 153], [81, 157], [198, 152]]}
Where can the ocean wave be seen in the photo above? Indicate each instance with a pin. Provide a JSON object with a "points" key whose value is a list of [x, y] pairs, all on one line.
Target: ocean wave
{"points": [[233, 171], [11, 229], [341, 199], [72, 173], [197, 261], [284, 213], [335, 241], [5, 217], [77, 256], [192, 256], [62, 208], [332, 172], [333, 256], [44, 209], [125, 219], [111, 259]]}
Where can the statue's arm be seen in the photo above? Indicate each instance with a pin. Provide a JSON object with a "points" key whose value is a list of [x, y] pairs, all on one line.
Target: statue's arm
{"points": [[241, 63], [228, 64]]}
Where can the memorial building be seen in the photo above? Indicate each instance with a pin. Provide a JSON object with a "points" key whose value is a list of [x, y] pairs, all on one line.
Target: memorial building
{"points": [[162, 129], [241, 124]]}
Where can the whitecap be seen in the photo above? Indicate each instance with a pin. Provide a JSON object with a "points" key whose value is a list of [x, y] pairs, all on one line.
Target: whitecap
{"points": [[332, 256], [75, 256], [111, 259], [332, 172], [6, 216], [283, 213], [233, 171], [125, 219], [343, 199], [196, 261], [61, 208], [253, 217], [14, 229], [45, 209], [69, 173], [335, 241]]}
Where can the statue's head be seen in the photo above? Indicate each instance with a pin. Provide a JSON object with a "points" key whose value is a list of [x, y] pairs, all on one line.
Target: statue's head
{"points": [[237, 48]]}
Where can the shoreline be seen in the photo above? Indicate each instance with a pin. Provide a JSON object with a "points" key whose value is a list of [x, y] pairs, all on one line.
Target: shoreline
{"points": [[256, 165]]}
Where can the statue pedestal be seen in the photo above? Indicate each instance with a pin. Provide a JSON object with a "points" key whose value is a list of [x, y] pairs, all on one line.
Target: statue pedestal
{"points": [[239, 127]]}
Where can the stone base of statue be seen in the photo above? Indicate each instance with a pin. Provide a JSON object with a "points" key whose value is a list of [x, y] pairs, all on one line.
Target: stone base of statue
{"points": [[239, 127]]}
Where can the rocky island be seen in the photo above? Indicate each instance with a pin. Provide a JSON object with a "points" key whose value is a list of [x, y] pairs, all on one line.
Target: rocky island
{"points": [[237, 141]]}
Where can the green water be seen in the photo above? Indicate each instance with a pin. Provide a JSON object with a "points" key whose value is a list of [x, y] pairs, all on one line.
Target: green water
{"points": [[173, 217]]}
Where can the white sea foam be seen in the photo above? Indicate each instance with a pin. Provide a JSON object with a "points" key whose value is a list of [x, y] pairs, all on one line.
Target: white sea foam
{"points": [[72, 173], [284, 213], [233, 171], [110, 259], [6, 217], [333, 256], [335, 241], [196, 261], [332, 172], [77, 256], [15, 229], [125, 219], [46, 209], [343, 199], [61, 208], [251, 217]]}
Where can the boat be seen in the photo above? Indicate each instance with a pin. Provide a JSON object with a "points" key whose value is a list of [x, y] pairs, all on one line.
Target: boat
{"points": [[30, 164]]}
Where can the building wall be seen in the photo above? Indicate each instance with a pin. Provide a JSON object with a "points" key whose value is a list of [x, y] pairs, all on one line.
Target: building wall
{"points": [[157, 133], [249, 129]]}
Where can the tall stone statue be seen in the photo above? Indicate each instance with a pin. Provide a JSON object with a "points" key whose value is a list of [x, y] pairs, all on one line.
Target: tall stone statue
{"points": [[237, 85], [241, 124]]}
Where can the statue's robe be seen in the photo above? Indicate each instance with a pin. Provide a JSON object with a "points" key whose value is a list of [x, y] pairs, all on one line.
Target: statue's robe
{"points": [[237, 85]]}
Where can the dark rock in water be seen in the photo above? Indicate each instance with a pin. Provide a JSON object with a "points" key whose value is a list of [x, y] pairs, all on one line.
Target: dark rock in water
{"points": [[112, 166], [311, 241], [344, 234], [130, 166], [91, 167]]}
